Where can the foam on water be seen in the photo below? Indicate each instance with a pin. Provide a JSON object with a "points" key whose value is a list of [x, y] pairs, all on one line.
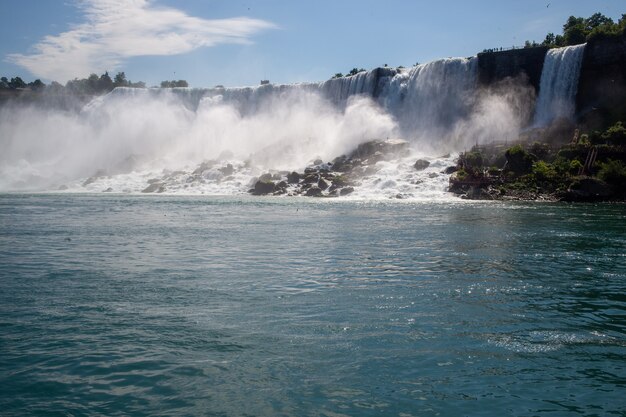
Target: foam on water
{"points": [[122, 140]]}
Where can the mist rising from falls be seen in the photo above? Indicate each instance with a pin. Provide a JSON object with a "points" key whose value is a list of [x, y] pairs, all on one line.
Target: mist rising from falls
{"points": [[559, 84], [217, 140]]}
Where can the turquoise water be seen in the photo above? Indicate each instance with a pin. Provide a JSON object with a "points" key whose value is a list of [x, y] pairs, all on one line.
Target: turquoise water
{"points": [[131, 305]]}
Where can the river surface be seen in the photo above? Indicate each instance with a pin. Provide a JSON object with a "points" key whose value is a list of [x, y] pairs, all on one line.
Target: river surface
{"points": [[236, 306]]}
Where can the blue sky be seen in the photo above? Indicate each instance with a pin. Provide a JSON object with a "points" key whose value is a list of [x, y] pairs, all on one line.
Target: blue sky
{"points": [[239, 42]]}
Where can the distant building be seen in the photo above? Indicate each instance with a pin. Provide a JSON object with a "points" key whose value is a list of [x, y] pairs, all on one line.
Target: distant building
{"points": [[263, 82]]}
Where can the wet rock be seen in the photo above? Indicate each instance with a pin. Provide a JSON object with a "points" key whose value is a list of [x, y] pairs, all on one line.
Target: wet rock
{"points": [[108, 190], [227, 170], [341, 164], [318, 162], [89, 180], [433, 175], [263, 187], [265, 177], [322, 184], [155, 187], [588, 189], [314, 191], [206, 165], [450, 170], [293, 178], [477, 193], [390, 147], [376, 157], [346, 191], [311, 178], [99, 173], [421, 164]]}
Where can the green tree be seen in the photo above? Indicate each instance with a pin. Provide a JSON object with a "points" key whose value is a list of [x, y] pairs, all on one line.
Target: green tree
{"points": [[574, 32], [17, 82], [355, 71], [37, 85], [615, 135], [120, 80], [105, 83], [596, 20]]}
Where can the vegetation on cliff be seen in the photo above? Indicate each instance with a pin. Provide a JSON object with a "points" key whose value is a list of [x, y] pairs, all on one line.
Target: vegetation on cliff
{"points": [[591, 167], [577, 30]]}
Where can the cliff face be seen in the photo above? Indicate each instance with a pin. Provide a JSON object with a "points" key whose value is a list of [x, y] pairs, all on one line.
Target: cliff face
{"points": [[495, 66], [601, 97], [601, 94]]}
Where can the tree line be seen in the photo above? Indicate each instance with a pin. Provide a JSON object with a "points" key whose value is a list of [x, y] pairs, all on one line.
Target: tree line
{"points": [[577, 30], [92, 85]]}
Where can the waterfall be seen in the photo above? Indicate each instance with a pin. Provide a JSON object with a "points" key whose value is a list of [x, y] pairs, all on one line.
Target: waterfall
{"points": [[432, 97], [427, 98], [559, 84]]}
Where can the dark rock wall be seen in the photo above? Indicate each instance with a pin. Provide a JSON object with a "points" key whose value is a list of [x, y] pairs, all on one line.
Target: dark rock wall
{"points": [[601, 97], [496, 66]]}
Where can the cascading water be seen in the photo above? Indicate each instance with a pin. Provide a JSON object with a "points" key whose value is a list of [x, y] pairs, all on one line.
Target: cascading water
{"points": [[217, 140], [430, 98], [559, 84]]}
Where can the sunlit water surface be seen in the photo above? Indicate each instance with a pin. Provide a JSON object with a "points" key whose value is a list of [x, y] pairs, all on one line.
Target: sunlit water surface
{"points": [[133, 305]]}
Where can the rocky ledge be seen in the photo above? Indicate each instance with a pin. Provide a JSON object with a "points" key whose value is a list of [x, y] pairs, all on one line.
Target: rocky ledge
{"points": [[335, 178]]}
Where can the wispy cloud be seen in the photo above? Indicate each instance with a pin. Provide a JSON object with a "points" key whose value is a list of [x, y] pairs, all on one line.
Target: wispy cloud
{"points": [[115, 30]]}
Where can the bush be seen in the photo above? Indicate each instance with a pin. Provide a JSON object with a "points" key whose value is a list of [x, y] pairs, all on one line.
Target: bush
{"points": [[544, 171], [613, 172], [518, 160], [461, 174], [473, 159], [615, 135], [540, 150], [575, 166]]}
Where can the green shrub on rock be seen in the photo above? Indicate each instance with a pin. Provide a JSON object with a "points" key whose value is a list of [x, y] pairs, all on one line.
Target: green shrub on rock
{"points": [[544, 171], [518, 160], [615, 135], [613, 172]]}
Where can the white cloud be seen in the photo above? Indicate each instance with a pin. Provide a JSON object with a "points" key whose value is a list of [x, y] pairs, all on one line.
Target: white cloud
{"points": [[118, 29]]}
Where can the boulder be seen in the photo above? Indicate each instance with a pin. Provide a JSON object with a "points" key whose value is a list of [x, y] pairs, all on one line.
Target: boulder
{"points": [[311, 178], [322, 184], [421, 164], [263, 187], [391, 147], [265, 177], [227, 170], [341, 164], [314, 191], [203, 167], [450, 170], [293, 178], [588, 189], [346, 191], [477, 193], [154, 187]]}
